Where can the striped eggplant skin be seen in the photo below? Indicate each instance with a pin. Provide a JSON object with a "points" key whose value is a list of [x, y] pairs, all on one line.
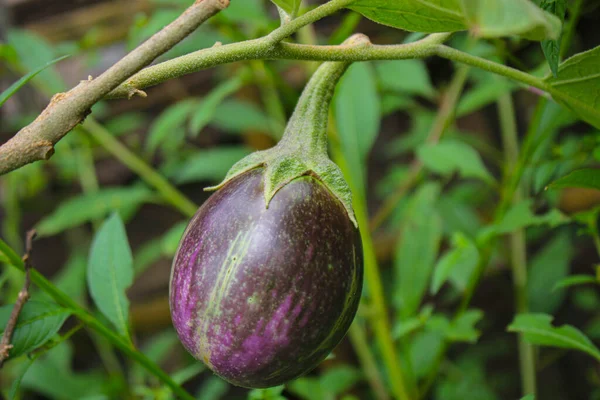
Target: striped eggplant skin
{"points": [[262, 295]]}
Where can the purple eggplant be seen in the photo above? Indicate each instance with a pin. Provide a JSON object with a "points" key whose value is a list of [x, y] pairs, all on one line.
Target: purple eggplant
{"points": [[262, 295]]}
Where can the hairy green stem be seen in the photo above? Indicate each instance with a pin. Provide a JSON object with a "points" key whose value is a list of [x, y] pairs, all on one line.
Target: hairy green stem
{"points": [[262, 48], [89, 320], [518, 247], [136, 164]]}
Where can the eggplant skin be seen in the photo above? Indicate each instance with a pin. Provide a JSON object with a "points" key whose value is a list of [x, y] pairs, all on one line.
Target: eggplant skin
{"points": [[262, 295]]}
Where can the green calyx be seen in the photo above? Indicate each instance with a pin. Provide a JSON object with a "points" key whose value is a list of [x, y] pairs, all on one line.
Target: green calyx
{"points": [[303, 147]]}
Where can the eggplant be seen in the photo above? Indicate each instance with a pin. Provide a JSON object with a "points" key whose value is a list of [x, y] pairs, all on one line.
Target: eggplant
{"points": [[262, 296], [268, 274]]}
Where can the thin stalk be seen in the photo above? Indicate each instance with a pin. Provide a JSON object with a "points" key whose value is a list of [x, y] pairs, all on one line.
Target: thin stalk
{"points": [[518, 246], [136, 164], [379, 318], [569, 29], [88, 319], [358, 338]]}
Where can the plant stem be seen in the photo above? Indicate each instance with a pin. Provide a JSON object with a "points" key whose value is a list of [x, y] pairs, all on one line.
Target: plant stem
{"points": [[379, 318], [88, 319], [136, 164], [263, 49], [369, 365], [569, 28], [66, 110], [518, 245]]}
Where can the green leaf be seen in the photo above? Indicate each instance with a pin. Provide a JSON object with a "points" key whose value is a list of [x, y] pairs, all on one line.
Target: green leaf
{"points": [[14, 388], [87, 207], [528, 397], [405, 76], [170, 240], [214, 388], [520, 216], [463, 328], [246, 117], [209, 165], [449, 156], [208, 105], [414, 15], [33, 51], [170, 125], [538, 330], [5, 95], [110, 272], [38, 322], [551, 48], [337, 380], [289, 6], [461, 260], [52, 376], [484, 93], [273, 393], [575, 280], [417, 249], [499, 18], [586, 178], [357, 111], [578, 80], [546, 269]]}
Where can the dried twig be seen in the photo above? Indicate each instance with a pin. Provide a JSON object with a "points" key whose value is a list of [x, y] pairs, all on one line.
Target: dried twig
{"points": [[36, 141], [22, 298]]}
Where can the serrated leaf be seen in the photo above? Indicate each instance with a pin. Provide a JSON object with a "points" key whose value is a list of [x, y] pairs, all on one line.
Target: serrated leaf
{"points": [[110, 272], [209, 165], [357, 112], [170, 125], [414, 15], [586, 178], [538, 330], [87, 207], [499, 18], [551, 48], [405, 76], [12, 89], [289, 6], [546, 269], [38, 322], [578, 80], [416, 252], [575, 280], [463, 257], [449, 156]]}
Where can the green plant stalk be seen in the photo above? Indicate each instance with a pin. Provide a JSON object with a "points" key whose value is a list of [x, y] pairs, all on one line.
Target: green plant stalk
{"points": [[359, 342], [136, 164], [89, 320], [379, 316], [518, 247]]}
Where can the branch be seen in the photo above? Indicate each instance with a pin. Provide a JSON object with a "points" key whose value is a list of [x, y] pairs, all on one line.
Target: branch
{"points": [[263, 48], [22, 298], [36, 141]]}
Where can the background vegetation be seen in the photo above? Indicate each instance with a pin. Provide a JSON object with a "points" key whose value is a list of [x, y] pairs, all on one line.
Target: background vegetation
{"points": [[477, 198]]}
